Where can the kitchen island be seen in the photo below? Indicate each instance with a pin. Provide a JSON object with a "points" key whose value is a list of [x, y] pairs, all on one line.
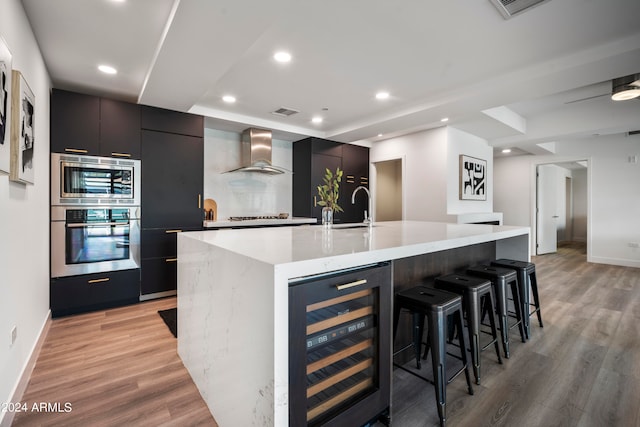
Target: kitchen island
{"points": [[233, 296]]}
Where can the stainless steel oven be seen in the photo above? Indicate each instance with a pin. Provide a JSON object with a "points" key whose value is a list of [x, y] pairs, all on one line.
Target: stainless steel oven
{"points": [[94, 239], [91, 180]]}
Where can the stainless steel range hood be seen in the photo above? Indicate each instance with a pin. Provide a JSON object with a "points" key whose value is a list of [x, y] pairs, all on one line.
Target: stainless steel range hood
{"points": [[255, 153]]}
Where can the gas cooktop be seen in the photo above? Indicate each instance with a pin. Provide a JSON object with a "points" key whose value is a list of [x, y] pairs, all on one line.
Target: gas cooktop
{"points": [[249, 218]]}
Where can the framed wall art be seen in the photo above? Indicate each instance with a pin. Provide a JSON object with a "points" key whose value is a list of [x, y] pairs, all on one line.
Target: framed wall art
{"points": [[22, 130], [473, 178], [5, 107]]}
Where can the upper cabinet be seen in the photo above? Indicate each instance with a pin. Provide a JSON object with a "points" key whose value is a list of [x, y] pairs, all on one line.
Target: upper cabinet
{"points": [[75, 123], [85, 124], [176, 122], [311, 158], [119, 129]]}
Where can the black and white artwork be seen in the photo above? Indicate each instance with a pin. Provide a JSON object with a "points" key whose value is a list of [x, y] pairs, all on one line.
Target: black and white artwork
{"points": [[5, 107], [473, 178], [22, 130]]}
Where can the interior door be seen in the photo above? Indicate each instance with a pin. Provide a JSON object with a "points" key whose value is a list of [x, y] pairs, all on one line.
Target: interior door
{"points": [[547, 212]]}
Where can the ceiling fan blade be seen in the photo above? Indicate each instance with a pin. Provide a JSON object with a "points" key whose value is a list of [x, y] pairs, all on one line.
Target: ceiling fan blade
{"points": [[587, 98]]}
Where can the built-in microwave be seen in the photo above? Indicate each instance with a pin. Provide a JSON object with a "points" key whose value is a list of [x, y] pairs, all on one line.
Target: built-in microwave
{"points": [[83, 180]]}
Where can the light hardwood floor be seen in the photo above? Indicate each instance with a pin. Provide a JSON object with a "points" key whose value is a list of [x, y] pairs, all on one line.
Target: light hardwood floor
{"points": [[120, 367], [117, 367]]}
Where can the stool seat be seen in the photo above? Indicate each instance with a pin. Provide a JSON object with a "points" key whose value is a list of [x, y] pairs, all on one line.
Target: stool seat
{"points": [[477, 300], [503, 279], [528, 283], [435, 305]]}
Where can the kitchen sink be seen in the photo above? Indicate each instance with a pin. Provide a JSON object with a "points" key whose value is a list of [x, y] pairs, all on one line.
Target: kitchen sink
{"points": [[351, 225]]}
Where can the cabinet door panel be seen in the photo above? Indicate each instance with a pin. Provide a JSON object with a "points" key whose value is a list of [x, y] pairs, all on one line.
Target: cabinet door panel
{"points": [[158, 275], [355, 162], [171, 121], [172, 176], [119, 129], [75, 123]]}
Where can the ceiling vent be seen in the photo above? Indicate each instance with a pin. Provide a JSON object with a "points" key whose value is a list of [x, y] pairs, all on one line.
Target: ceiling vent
{"points": [[509, 8], [285, 112]]}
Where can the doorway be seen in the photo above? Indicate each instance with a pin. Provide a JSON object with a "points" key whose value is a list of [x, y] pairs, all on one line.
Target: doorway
{"points": [[561, 205], [388, 190]]}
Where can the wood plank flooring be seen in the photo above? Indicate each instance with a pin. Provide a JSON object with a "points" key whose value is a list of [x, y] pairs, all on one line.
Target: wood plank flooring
{"points": [[120, 367], [117, 367], [581, 369]]}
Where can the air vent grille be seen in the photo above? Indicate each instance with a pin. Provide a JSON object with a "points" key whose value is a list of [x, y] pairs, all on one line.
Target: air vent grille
{"points": [[509, 8], [286, 112]]}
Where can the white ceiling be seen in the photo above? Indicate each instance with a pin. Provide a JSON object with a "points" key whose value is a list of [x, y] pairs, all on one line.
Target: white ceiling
{"points": [[437, 59]]}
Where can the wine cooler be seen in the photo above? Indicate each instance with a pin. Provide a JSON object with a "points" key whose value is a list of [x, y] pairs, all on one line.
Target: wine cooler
{"points": [[340, 347]]}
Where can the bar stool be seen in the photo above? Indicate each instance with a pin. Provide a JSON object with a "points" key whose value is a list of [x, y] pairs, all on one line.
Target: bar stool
{"points": [[477, 301], [501, 279], [527, 283], [436, 305]]}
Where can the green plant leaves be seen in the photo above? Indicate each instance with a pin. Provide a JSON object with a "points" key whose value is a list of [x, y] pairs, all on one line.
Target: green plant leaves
{"points": [[329, 192]]}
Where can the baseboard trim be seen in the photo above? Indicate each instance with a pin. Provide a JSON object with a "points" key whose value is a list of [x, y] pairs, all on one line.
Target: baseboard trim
{"points": [[7, 419], [614, 261], [147, 297]]}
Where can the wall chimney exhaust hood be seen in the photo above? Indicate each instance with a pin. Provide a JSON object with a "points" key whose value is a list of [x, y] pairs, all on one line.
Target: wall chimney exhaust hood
{"points": [[255, 153]]}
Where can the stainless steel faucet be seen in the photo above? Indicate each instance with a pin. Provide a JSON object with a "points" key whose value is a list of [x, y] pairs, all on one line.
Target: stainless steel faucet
{"points": [[368, 219]]}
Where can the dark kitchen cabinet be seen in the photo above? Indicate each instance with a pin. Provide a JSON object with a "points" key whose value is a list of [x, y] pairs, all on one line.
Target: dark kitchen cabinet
{"points": [[170, 121], [172, 182], [75, 123], [119, 129], [90, 125], [311, 158], [340, 347], [355, 163], [88, 292]]}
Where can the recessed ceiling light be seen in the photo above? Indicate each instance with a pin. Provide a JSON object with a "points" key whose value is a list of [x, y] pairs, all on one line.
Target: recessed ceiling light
{"points": [[444, 119], [107, 69], [282, 56], [382, 95], [317, 119], [230, 99], [379, 134], [506, 150]]}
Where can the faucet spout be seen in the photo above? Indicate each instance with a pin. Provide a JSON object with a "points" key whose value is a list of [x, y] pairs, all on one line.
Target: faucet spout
{"points": [[367, 218]]}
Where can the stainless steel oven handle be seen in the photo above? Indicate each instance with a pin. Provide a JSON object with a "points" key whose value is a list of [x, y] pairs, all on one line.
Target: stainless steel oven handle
{"points": [[95, 224]]}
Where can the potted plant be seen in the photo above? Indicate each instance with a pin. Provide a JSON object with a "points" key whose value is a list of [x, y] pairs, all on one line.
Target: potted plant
{"points": [[329, 193]]}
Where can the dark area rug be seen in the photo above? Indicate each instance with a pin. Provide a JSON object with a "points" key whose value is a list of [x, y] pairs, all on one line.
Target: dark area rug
{"points": [[170, 317]]}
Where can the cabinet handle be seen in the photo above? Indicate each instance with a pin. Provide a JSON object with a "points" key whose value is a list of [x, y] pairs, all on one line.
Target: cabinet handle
{"points": [[121, 154], [173, 231], [105, 279], [199, 201], [315, 201], [351, 284], [171, 260], [76, 150]]}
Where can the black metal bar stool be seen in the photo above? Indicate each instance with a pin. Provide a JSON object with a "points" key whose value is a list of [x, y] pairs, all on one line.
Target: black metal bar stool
{"points": [[501, 279], [527, 283], [436, 305], [477, 301]]}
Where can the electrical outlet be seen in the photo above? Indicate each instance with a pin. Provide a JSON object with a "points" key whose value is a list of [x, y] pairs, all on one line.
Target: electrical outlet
{"points": [[634, 245], [14, 334]]}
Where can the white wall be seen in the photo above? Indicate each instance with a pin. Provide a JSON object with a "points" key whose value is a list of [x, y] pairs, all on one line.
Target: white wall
{"points": [[24, 217], [431, 174], [458, 143], [245, 193], [579, 181], [424, 166], [613, 200]]}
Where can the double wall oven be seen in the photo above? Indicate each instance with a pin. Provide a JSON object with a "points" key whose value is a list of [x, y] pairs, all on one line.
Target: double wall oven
{"points": [[95, 214]]}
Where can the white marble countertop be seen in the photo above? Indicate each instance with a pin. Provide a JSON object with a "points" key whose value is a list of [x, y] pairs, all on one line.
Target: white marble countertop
{"points": [[259, 222], [316, 249]]}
